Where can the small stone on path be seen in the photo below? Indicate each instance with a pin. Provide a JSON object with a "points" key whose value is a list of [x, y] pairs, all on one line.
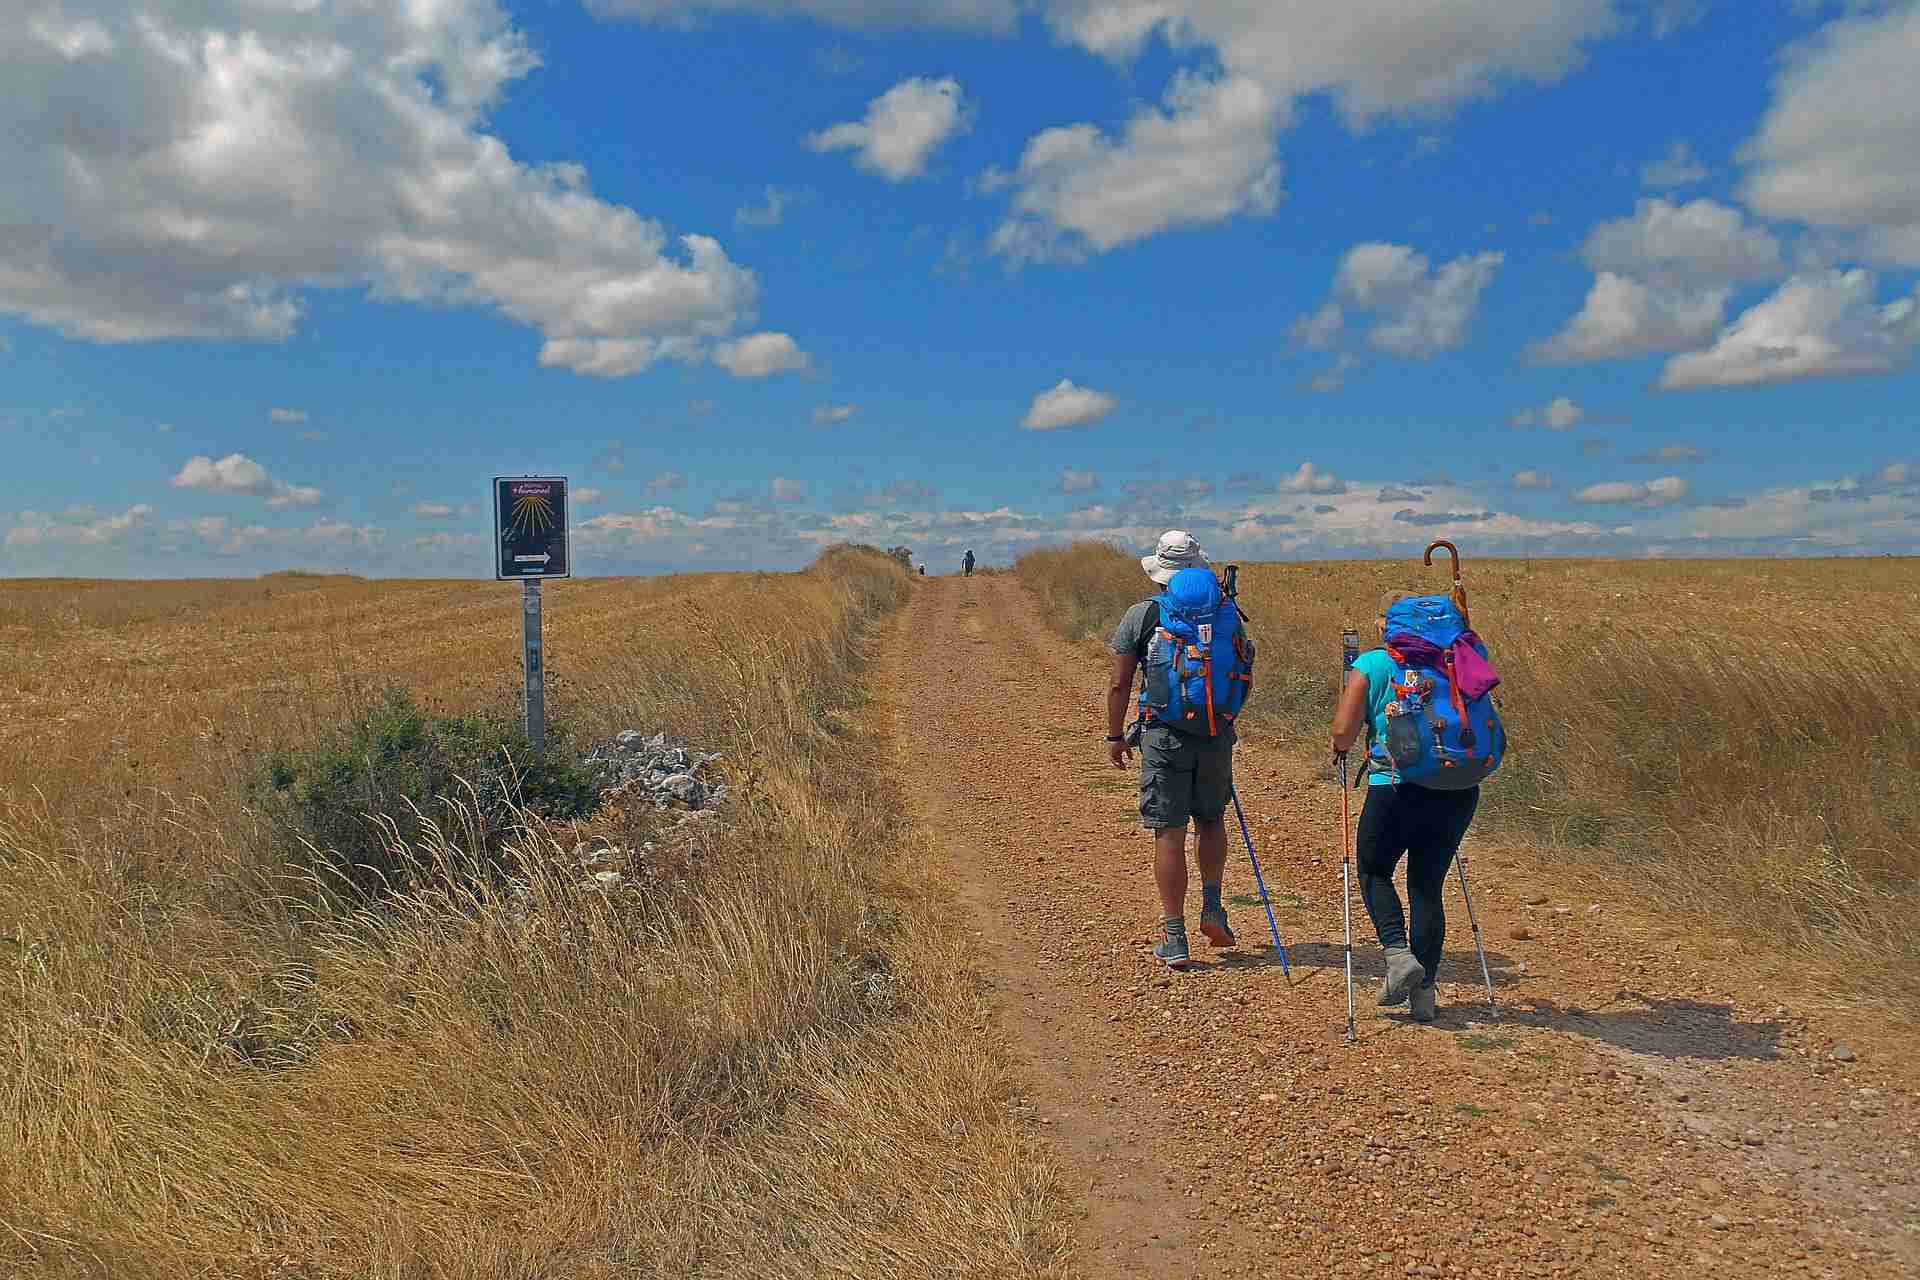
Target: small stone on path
{"points": [[1841, 1053]]}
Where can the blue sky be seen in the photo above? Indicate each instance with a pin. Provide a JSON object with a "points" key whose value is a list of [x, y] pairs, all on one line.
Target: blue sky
{"points": [[284, 288]]}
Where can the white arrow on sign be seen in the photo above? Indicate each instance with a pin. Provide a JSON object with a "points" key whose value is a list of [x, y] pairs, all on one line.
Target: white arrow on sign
{"points": [[542, 558]]}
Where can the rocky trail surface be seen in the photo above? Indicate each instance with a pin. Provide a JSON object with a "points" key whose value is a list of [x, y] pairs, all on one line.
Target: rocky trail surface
{"points": [[1649, 1102]]}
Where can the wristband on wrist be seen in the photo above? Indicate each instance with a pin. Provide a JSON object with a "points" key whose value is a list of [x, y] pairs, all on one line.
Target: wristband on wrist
{"points": [[1116, 737]]}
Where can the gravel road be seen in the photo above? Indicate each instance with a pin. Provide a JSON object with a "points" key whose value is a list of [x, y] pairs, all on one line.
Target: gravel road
{"points": [[1649, 1103]]}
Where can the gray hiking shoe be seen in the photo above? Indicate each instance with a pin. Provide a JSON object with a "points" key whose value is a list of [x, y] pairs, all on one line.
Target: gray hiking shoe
{"points": [[1174, 952], [1213, 924], [1425, 1000], [1403, 974]]}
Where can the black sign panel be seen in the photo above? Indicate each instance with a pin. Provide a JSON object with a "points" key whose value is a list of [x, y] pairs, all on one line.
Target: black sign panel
{"points": [[530, 516]]}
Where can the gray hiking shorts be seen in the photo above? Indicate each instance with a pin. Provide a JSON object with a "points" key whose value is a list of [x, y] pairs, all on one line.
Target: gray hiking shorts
{"points": [[1183, 776]]}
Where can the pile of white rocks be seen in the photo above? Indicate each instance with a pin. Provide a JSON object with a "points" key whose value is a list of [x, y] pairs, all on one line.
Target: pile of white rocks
{"points": [[671, 776], [668, 772]]}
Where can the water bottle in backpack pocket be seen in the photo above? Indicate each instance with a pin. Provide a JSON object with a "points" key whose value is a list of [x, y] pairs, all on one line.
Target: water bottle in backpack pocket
{"points": [[1440, 735], [1198, 667], [1407, 720]]}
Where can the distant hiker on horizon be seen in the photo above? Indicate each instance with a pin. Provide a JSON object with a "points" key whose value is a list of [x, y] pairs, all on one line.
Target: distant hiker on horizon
{"points": [[1198, 664], [1420, 797], [966, 564]]}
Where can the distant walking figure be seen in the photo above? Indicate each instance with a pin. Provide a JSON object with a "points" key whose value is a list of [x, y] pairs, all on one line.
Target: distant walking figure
{"points": [[966, 564]]}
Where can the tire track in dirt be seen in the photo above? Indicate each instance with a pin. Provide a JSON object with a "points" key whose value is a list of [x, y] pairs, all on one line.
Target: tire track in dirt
{"points": [[1624, 1116]]}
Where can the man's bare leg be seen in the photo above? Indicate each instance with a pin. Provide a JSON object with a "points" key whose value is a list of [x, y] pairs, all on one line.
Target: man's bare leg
{"points": [[1170, 870], [1210, 851]]}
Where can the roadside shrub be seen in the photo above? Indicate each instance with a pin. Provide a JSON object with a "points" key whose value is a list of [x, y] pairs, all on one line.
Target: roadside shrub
{"points": [[343, 802]]}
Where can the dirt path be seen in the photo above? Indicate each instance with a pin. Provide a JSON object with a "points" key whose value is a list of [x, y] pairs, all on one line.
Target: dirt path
{"points": [[1627, 1114]]}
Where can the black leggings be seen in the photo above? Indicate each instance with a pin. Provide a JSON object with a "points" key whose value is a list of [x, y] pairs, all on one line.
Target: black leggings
{"points": [[1426, 826]]}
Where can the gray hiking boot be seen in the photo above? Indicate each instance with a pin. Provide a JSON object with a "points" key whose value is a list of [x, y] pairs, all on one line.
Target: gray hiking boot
{"points": [[1173, 952], [1403, 974], [1213, 924], [1425, 1000]]}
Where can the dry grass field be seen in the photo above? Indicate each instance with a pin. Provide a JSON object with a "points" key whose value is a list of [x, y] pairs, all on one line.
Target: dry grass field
{"points": [[769, 1060], [1736, 740]]}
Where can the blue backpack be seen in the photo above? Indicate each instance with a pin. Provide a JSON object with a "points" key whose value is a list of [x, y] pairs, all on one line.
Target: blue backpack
{"points": [[1199, 666], [1443, 730]]}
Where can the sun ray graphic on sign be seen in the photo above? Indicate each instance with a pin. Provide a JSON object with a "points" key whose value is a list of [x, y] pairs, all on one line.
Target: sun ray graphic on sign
{"points": [[532, 513]]}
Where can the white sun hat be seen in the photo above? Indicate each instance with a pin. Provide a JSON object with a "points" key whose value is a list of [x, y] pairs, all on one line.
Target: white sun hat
{"points": [[1177, 550]]}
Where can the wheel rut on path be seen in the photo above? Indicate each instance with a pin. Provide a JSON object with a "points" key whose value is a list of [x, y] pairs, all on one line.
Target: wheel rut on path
{"points": [[1626, 1114]]}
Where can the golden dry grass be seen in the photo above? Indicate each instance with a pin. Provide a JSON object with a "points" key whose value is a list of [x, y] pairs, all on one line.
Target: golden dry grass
{"points": [[776, 1062], [1736, 739]]}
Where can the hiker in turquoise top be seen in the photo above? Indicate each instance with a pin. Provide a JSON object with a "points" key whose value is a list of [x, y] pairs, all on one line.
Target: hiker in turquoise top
{"points": [[1423, 824], [1380, 672]]}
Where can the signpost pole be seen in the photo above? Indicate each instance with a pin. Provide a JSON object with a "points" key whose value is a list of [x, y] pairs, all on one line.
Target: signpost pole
{"points": [[535, 669], [532, 524]]}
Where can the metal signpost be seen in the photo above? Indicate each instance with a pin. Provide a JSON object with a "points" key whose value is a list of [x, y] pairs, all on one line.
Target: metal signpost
{"points": [[530, 539]]}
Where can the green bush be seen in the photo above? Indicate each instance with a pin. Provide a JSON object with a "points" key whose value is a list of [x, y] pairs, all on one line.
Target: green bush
{"points": [[349, 804]]}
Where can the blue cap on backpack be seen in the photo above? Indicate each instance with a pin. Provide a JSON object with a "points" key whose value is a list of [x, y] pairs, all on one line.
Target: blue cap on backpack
{"points": [[1194, 590]]}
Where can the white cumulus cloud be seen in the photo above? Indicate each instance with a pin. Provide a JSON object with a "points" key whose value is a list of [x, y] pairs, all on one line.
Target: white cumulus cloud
{"points": [[1677, 168], [1202, 157], [983, 15], [1700, 243], [1665, 491], [1373, 57], [1319, 330], [769, 214], [828, 414], [1622, 317], [1310, 479], [237, 473], [1662, 280], [79, 528], [1816, 325], [1072, 481], [760, 355], [902, 129], [1419, 310], [209, 161], [785, 490], [288, 415], [1839, 146], [1557, 414], [1531, 479], [1067, 405]]}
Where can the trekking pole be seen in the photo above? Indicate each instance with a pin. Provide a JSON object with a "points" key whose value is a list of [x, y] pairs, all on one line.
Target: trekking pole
{"points": [[1349, 650], [1460, 865], [1231, 589], [1259, 880], [1346, 892]]}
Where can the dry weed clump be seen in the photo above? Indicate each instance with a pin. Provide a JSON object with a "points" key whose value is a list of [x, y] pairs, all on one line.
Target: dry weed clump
{"points": [[1735, 737], [769, 1059]]}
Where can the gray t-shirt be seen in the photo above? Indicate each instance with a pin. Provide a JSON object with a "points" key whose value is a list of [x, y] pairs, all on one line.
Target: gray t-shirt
{"points": [[1136, 629]]}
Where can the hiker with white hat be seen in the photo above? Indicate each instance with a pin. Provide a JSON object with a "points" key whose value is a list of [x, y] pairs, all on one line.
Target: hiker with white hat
{"points": [[1197, 661]]}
